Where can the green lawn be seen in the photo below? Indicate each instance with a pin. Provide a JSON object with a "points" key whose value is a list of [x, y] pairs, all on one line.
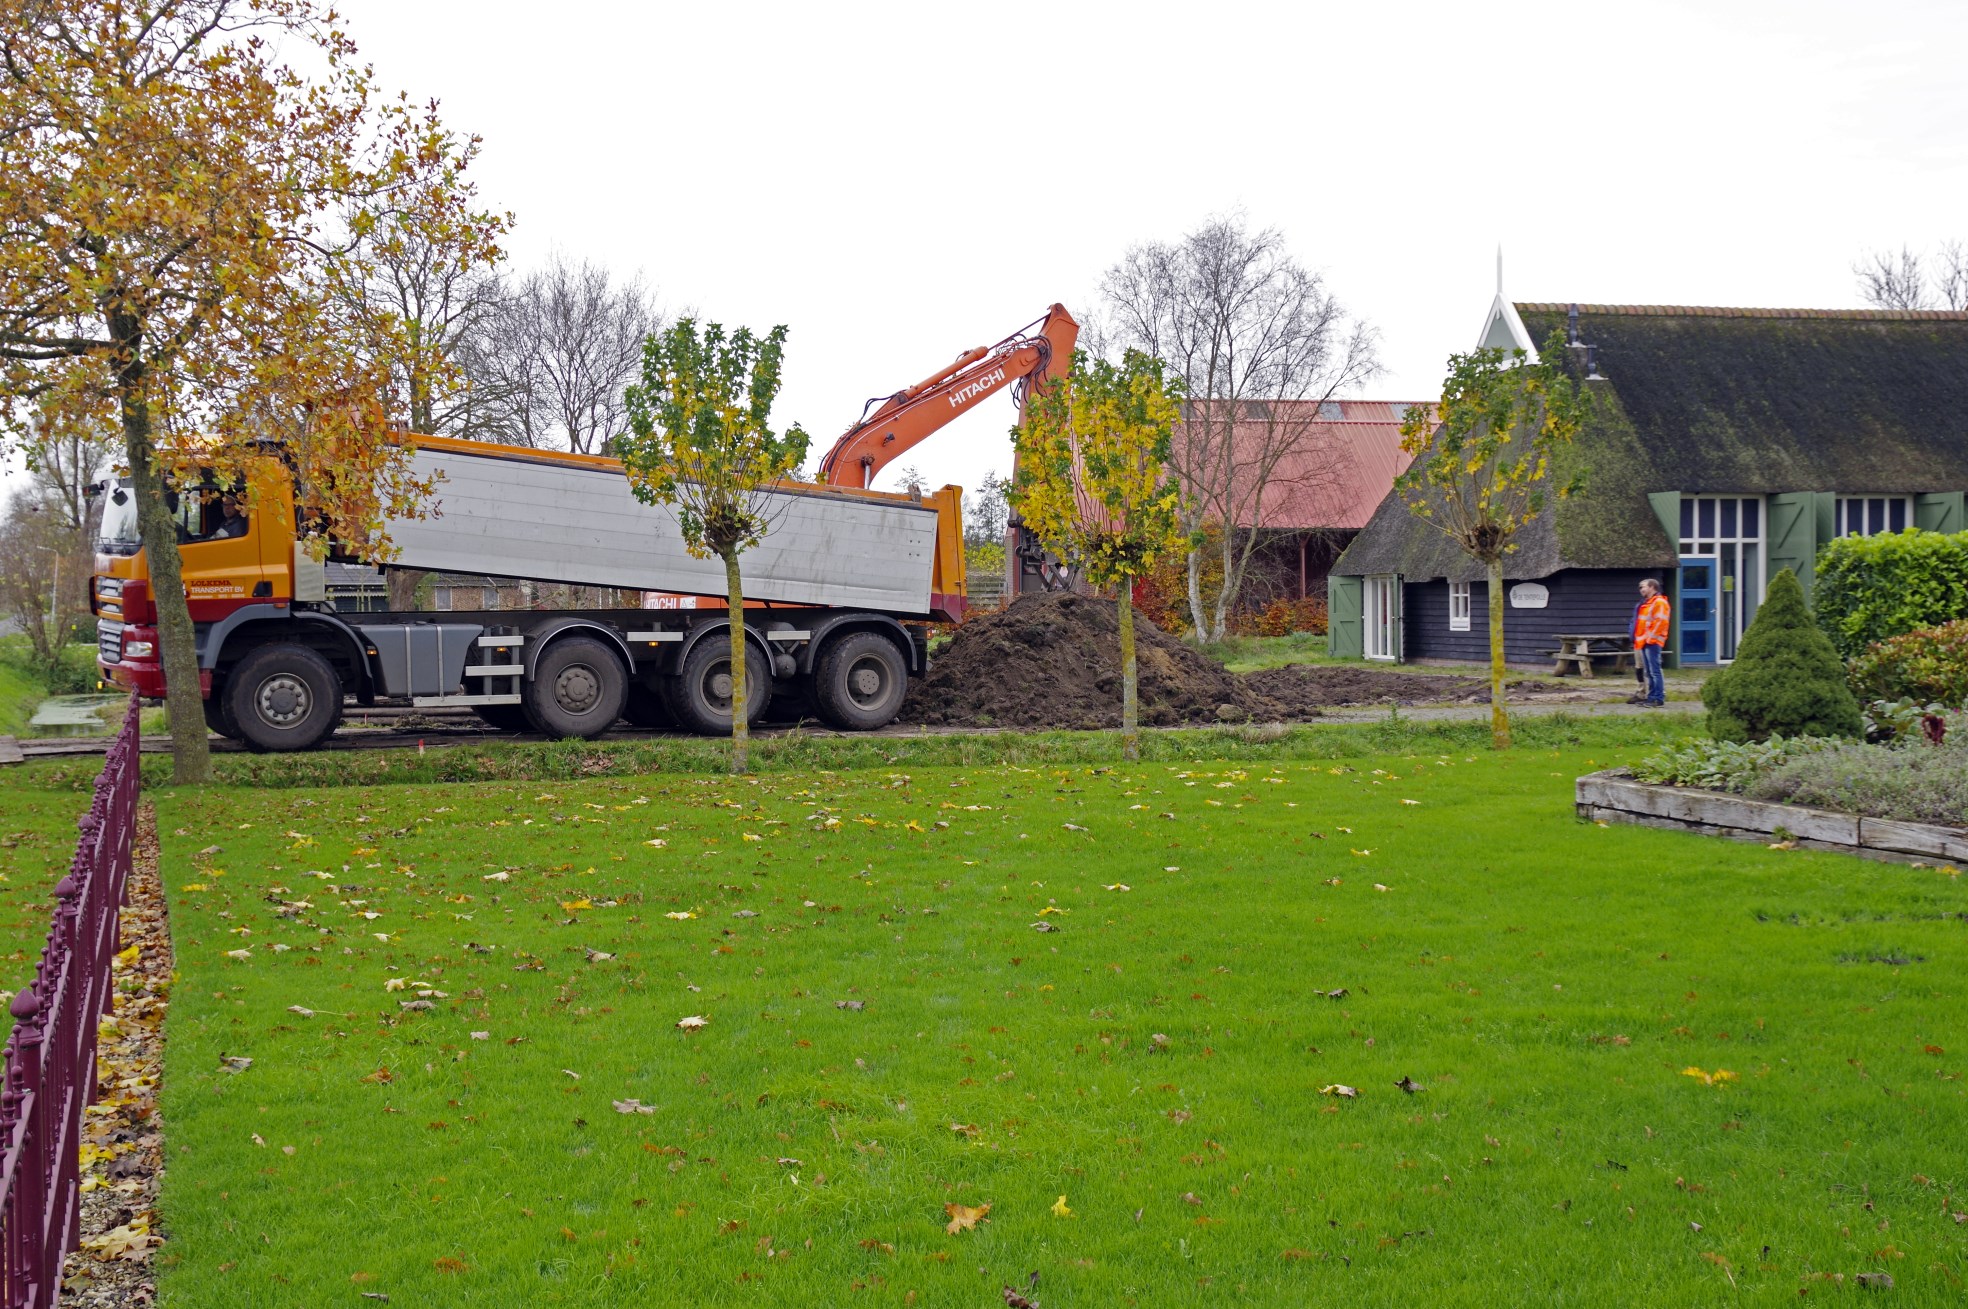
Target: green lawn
{"points": [[1157, 1061]]}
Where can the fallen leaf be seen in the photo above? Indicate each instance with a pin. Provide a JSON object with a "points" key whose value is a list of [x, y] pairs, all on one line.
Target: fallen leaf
{"points": [[1043, 926], [239, 954], [1119, 886], [1409, 1085], [965, 1130], [481, 1036], [1379, 887], [963, 1217], [1337, 1088], [1715, 1078], [300, 1009], [571, 905], [679, 915], [856, 1005], [632, 1107], [1059, 1209], [598, 956], [1190, 1197], [235, 1063], [694, 1022]]}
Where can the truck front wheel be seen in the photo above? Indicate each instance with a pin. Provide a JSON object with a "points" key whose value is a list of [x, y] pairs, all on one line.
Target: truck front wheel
{"points": [[859, 681], [283, 697], [577, 688]]}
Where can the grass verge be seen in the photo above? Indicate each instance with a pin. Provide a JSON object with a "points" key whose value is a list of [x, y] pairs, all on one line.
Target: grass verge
{"points": [[567, 760], [467, 1084]]}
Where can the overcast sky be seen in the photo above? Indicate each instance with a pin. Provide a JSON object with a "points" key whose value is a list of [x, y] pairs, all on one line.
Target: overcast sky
{"points": [[900, 182]]}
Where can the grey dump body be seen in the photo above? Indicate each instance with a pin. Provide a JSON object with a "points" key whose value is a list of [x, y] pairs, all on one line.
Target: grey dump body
{"points": [[554, 522]]}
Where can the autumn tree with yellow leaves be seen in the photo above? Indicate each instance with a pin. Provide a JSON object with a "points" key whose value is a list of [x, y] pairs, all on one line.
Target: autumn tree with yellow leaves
{"points": [[1093, 485], [179, 203]]}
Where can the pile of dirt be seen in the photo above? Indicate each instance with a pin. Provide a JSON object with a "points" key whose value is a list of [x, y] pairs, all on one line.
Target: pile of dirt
{"points": [[1054, 661]]}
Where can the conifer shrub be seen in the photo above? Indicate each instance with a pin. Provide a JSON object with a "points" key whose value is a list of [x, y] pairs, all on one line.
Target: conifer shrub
{"points": [[1786, 680]]}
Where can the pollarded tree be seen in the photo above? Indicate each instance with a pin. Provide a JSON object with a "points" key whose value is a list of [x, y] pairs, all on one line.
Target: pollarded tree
{"points": [[1482, 468], [700, 441], [177, 207], [1093, 484]]}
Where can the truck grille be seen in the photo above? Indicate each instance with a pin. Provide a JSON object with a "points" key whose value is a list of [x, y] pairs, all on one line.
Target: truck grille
{"points": [[109, 640]]}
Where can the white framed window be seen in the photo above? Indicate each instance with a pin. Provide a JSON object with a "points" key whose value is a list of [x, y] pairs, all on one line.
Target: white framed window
{"points": [[1869, 515], [1382, 618], [1729, 530], [1459, 606]]}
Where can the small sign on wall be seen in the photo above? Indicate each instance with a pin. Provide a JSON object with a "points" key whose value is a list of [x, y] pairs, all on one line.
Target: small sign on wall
{"points": [[1529, 595]]}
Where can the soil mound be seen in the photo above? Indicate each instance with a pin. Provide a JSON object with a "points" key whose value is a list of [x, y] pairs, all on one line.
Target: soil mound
{"points": [[1054, 661]]}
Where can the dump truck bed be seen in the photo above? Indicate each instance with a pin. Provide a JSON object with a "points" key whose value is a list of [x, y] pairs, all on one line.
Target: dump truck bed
{"points": [[511, 512]]}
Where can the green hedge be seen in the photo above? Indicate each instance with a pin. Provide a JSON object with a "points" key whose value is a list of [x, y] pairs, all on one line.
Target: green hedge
{"points": [[1872, 588], [1930, 665]]}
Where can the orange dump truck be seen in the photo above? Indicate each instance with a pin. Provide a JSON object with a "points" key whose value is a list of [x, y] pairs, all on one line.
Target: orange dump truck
{"points": [[837, 597]]}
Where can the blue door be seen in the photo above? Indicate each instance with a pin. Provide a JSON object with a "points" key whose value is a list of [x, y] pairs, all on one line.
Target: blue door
{"points": [[1696, 620]]}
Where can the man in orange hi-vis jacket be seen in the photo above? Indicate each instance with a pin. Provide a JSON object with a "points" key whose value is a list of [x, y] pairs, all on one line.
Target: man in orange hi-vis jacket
{"points": [[1650, 638]]}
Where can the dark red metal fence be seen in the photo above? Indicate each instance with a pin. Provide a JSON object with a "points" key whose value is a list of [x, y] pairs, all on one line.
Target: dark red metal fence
{"points": [[51, 1056]]}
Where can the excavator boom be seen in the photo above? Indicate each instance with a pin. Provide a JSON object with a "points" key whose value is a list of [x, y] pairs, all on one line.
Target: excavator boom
{"points": [[893, 425]]}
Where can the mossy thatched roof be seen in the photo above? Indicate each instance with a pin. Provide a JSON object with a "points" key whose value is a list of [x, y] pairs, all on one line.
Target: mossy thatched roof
{"points": [[1711, 401]]}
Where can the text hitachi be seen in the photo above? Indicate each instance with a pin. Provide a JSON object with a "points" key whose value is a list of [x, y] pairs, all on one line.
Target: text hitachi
{"points": [[960, 398]]}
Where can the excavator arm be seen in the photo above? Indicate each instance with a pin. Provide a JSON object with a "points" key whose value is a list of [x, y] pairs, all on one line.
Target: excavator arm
{"points": [[892, 425]]}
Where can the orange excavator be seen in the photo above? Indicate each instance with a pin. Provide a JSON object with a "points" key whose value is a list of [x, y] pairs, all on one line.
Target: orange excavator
{"points": [[892, 425]]}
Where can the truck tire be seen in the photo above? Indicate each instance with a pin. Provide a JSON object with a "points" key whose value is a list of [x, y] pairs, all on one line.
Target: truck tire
{"points": [[646, 708], [503, 717], [700, 694], [218, 718], [283, 697], [577, 689], [859, 681]]}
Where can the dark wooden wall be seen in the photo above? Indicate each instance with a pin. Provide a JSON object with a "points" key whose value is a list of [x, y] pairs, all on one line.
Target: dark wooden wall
{"points": [[1582, 600]]}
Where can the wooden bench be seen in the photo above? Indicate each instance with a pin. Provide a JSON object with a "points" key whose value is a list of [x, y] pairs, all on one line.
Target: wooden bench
{"points": [[1579, 651]]}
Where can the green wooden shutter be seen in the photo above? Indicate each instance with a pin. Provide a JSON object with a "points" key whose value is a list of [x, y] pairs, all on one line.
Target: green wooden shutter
{"points": [[1793, 535], [1940, 511], [1345, 637], [1667, 508]]}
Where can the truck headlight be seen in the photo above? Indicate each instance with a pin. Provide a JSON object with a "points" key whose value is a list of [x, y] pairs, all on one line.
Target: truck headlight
{"points": [[138, 649]]}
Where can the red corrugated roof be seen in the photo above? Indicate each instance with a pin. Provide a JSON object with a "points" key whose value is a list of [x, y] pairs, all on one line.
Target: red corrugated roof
{"points": [[1342, 465]]}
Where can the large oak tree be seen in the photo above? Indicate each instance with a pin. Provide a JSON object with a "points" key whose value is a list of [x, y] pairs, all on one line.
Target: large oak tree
{"points": [[184, 185]]}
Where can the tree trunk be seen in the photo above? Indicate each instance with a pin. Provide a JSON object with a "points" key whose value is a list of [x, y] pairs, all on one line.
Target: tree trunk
{"points": [[1130, 700], [1499, 715], [191, 759], [1226, 589], [741, 727], [403, 584], [1196, 596]]}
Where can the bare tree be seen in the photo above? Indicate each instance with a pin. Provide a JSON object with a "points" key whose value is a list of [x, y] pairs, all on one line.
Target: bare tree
{"points": [[1263, 347], [1907, 279], [572, 345]]}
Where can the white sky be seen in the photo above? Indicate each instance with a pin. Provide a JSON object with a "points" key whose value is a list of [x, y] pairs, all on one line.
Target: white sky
{"points": [[898, 182]]}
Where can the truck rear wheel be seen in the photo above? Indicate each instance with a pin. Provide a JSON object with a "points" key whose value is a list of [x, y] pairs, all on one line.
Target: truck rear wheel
{"points": [[700, 694], [577, 689], [503, 717], [283, 697], [859, 681]]}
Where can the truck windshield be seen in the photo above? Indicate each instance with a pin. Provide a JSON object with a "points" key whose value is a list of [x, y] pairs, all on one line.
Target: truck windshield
{"points": [[119, 523]]}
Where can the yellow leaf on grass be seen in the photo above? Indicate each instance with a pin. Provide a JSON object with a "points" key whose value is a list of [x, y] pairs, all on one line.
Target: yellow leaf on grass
{"points": [[194, 886], [963, 1217], [679, 914], [571, 905], [129, 956], [1709, 1079], [1059, 1209]]}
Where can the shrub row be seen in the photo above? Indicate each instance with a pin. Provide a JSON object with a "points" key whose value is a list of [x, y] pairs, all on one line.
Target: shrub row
{"points": [[1873, 588], [1930, 665]]}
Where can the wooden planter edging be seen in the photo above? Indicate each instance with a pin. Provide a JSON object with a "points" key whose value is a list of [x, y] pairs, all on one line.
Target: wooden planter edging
{"points": [[1614, 796]]}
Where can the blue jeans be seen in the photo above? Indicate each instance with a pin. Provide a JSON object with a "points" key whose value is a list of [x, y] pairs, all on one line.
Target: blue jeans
{"points": [[1650, 663]]}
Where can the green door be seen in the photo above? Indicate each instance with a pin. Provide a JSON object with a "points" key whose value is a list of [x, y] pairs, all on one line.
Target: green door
{"points": [[1343, 640]]}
